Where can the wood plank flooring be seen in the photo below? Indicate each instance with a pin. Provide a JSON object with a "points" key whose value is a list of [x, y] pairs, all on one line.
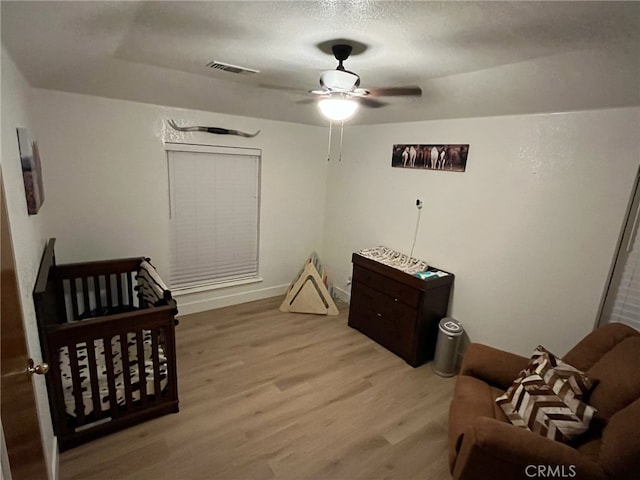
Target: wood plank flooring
{"points": [[271, 395]]}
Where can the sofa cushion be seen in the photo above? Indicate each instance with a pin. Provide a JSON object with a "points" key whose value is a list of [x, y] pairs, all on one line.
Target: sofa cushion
{"points": [[546, 398], [620, 450], [618, 376]]}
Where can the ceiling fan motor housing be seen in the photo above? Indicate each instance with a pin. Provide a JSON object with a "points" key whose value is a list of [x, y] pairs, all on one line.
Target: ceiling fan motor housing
{"points": [[339, 80]]}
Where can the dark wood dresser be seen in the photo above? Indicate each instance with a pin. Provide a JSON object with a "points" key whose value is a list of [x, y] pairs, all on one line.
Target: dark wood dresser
{"points": [[399, 311]]}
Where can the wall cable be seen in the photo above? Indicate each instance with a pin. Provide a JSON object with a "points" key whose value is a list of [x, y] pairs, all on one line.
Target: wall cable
{"points": [[415, 235]]}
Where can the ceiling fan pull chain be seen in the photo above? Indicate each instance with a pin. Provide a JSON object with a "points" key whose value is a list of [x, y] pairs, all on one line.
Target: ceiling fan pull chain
{"points": [[329, 146], [341, 135]]}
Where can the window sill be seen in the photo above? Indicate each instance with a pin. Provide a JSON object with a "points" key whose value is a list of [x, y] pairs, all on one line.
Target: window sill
{"points": [[214, 286]]}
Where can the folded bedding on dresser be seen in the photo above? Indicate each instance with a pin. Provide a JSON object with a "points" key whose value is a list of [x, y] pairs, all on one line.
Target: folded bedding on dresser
{"points": [[103, 385]]}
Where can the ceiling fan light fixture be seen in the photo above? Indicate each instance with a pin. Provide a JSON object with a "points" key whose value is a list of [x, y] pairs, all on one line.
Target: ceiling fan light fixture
{"points": [[339, 80], [338, 109]]}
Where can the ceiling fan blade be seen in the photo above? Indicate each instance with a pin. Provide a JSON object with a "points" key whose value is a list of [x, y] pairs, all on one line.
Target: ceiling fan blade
{"points": [[410, 91], [359, 92], [371, 102]]}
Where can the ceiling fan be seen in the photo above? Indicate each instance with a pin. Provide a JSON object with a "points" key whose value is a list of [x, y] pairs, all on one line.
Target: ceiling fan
{"points": [[342, 84]]}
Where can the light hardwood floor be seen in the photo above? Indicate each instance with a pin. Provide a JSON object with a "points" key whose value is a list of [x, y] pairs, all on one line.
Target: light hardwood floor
{"points": [[271, 395]]}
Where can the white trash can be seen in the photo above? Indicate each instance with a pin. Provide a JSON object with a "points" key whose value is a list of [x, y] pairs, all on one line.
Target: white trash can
{"points": [[446, 356]]}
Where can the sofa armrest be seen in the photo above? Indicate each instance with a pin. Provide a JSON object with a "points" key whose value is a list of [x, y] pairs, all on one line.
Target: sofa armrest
{"points": [[596, 344], [494, 449], [494, 366]]}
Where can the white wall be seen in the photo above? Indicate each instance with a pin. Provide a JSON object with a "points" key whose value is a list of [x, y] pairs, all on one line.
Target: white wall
{"points": [[107, 185], [27, 234], [529, 230]]}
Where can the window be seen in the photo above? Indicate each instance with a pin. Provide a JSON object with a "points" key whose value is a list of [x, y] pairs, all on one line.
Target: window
{"points": [[214, 214], [622, 302]]}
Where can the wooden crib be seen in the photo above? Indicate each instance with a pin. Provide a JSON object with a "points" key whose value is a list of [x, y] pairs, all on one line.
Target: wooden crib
{"points": [[107, 331]]}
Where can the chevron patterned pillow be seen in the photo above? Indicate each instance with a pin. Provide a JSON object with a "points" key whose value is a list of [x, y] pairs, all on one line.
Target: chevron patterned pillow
{"points": [[559, 374], [547, 398]]}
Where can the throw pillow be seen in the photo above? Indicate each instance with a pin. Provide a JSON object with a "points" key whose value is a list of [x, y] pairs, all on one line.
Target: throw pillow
{"points": [[559, 372], [547, 398]]}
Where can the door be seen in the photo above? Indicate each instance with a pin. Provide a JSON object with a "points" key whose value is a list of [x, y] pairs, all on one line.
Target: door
{"points": [[18, 402]]}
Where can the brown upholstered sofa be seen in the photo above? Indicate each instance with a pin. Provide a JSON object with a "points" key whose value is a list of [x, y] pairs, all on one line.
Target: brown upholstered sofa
{"points": [[484, 445]]}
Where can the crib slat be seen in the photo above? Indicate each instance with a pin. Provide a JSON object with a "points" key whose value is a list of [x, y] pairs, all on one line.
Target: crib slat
{"points": [[141, 303], [126, 374], [77, 384], [66, 316], [155, 358], [85, 295], [129, 289], [93, 375], [109, 294], [169, 346], [142, 374], [111, 380], [119, 288], [97, 290], [74, 299]]}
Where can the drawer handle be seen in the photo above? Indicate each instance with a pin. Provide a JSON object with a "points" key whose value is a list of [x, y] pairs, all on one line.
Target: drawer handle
{"points": [[395, 299], [379, 315]]}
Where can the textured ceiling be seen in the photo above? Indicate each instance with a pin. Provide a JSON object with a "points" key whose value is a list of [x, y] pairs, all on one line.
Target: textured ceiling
{"points": [[470, 58]]}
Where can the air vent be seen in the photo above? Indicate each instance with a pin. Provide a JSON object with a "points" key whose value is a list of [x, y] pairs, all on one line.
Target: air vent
{"points": [[227, 67]]}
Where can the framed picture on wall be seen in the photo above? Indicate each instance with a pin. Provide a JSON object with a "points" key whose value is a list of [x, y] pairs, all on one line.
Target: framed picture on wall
{"points": [[31, 171], [450, 158]]}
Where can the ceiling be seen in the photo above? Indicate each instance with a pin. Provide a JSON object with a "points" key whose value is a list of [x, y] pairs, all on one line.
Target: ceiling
{"points": [[470, 58]]}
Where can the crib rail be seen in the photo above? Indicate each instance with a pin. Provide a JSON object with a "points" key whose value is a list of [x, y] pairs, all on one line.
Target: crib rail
{"points": [[99, 286], [122, 329]]}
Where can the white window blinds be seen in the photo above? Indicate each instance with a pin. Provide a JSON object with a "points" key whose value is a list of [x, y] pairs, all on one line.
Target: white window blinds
{"points": [[214, 215], [622, 303]]}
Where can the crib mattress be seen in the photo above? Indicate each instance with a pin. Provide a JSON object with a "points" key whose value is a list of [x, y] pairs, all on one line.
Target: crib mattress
{"points": [[103, 385]]}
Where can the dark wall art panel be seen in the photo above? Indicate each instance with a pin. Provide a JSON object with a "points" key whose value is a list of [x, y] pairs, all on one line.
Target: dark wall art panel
{"points": [[31, 171], [448, 158]]}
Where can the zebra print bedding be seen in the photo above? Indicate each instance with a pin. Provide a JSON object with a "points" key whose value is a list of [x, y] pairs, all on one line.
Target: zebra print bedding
{"points": [[82, 356], [150, 286], [395, 259]]}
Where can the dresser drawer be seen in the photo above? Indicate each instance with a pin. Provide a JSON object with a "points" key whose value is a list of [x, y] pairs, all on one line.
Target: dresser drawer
{"points": [[397, 291], [391, 324]]}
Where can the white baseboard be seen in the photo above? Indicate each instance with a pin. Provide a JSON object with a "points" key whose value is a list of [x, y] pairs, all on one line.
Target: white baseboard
{"points": [[187, 307], [342, 295]]}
